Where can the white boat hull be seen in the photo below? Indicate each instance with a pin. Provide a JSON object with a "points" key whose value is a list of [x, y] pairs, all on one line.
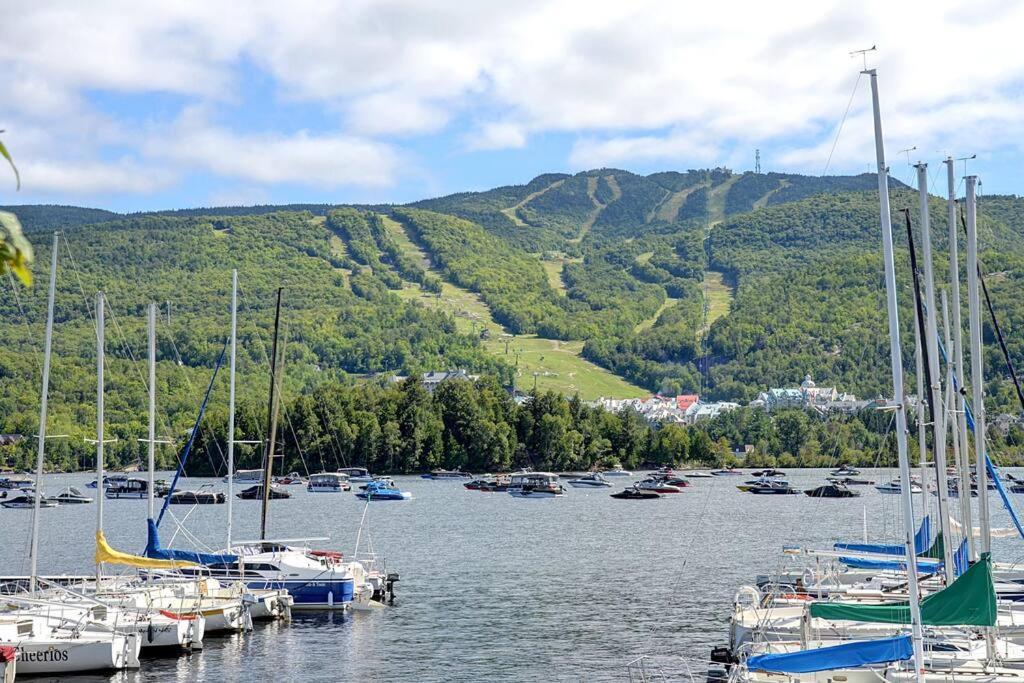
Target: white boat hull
{"points": [[74, 655]]}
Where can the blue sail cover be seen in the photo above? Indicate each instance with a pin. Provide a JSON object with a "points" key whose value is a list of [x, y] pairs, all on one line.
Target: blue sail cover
{"points": [[845, 656], [924, 566], [921, 543], [154, 550]]}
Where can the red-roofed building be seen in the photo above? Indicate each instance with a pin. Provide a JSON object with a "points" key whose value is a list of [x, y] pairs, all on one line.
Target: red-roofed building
{"points": [[684, 401]]}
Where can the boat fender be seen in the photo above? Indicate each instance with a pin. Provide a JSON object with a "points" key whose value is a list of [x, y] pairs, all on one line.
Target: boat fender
{"points": [[149, 633]]}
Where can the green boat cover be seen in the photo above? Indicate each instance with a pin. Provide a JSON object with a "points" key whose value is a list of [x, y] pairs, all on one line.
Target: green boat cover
{"points": [[968, 601]]}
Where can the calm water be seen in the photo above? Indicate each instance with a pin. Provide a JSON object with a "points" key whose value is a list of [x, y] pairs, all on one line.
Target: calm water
{"points": [[492, 588]]}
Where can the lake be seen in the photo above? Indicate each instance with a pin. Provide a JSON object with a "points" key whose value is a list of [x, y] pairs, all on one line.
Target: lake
{"points": [[492, 587]]}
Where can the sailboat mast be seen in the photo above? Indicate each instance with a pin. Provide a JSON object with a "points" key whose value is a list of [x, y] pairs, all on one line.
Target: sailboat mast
{"points": [[935, 395], [268, 462], [151, 465], [100, 352], [950, 408], [922, 440], [899, 396], [41, 445], [231, 402], [978, 396], [958, 360]]}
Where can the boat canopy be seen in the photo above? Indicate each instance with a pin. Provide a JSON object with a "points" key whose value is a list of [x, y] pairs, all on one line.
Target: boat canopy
{"points": [[154, 550], [968, 601], [924, 535], [106, 554], [845, 656]]}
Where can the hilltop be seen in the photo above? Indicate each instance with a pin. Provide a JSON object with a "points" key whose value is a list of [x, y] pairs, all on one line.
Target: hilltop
{"points": [[601, 283]]}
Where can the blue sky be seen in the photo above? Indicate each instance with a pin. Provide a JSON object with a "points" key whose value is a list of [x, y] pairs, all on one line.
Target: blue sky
{"points": [[188, 103]]}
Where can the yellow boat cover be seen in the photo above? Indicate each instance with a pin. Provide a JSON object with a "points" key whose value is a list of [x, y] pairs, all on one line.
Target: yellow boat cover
{"points": [[104, 553]]}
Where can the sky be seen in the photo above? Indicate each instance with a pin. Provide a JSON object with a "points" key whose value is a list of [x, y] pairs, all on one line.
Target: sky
{"points": [[180, 103]]}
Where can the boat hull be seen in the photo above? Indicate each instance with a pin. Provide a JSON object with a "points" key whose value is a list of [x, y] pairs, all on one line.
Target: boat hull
{"points": [[40, 657]]}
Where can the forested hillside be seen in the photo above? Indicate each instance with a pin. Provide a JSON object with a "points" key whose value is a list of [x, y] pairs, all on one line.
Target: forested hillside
{"points": [[543, 279]]}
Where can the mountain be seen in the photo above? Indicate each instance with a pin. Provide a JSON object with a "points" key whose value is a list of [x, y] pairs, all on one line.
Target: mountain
{"points": [[603, 282]]}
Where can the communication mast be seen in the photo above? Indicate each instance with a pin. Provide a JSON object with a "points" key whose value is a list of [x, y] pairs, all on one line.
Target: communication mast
{"points": [[757, 161]]}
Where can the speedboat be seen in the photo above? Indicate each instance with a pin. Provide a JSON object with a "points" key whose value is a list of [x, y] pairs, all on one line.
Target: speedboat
{"points": [[356, 473], [657, 486], [476, 484], [15, 482], [590, 481], [500, 485], [386, 482], [617, 473], [376, 490], [893, 487], [328, 482], [772, 487], [725, 472], [28, 501], [535, 485], [697, 474], [136, 489], [446, 474], [845, 471], [256, 493], [72, 496], [290, 479], [770, 472], [246, 477], [197, 497], [849, 481], [636, 494], [831, 491], [116, 479]]}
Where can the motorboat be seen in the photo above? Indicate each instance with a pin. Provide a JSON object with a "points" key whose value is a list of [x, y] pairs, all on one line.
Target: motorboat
{"points": [[15, 482], [446, 474], [246, 477], [726, 472], [772, 487], [617, 473], [675, 480], [256, 493], [594, 480], [770, 472], [116, 479], [290, 479], [476, 484], [845, 471], [328, 482], [831, 491], [72, 496], [496, 485], [356, 473], [386, 482], [657, 486], [132, 488], [376, 490], [28, 501], [197, 497], [636, 494], [893, 487], [697, 474], [849, 481], [535, 485]]}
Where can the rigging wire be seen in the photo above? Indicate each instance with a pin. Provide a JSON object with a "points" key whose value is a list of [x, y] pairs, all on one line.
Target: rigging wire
{"points": [[842, 122]]}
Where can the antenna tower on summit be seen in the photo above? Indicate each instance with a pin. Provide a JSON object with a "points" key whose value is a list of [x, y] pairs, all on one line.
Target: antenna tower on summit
{"points": [[757, 161]]}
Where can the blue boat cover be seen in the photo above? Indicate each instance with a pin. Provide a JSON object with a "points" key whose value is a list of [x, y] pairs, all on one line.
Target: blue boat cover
{"points": [[921, 543], [154, 550], [924, 565], [845, 656]]}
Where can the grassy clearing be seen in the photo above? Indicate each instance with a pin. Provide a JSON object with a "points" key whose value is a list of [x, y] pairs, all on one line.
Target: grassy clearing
{"points": [[558, 365], [649, 323], [511, 211], [719, 296], [716, 200], [553, 269]]}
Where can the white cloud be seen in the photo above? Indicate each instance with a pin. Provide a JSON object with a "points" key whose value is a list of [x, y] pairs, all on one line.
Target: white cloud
{"points": [[497, 135], [324, 161], [92, 177], [633, 82]]}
